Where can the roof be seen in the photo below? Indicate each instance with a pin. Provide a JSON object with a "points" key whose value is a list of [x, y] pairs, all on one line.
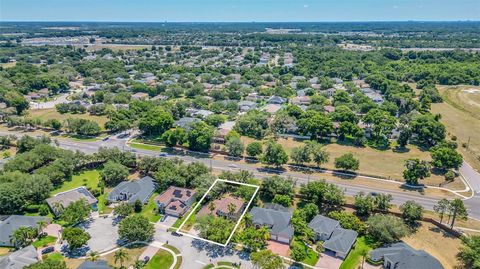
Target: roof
{"points": [[404, 257], [323, 225], [94, 265], [8, 224], [276, 218], [185, 122], [68, 197], [341, 240], [175, 193], [20, 258], [140, 189], [222, 204]]}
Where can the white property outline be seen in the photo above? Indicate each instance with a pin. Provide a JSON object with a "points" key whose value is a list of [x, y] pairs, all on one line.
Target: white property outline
{"points": [[200, 202]]}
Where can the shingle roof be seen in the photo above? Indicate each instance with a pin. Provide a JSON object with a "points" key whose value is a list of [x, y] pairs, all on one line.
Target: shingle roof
{"points": [[279, 220], [323, 225], [11, 223], [140, 189], [68, 197], [20, 258], [405, 257], [341, 240]]}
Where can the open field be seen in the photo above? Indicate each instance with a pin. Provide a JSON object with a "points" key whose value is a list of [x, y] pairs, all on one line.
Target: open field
{"points": [[433, 240], [461, 115], [51, 113], [384, 163]]}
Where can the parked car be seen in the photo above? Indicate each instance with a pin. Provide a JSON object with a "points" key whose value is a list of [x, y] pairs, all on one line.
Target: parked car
{"points": [[163, 154], [106, 138], [48, 250], [176, 234], [146, 259]]}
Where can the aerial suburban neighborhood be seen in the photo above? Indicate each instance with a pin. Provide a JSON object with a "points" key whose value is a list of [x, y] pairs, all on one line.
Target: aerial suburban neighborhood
{"points": [[227, 143]]}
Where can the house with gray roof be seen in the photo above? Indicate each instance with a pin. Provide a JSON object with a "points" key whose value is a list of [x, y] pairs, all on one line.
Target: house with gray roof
{"points": [[323, 227], [186, 122], [336, 239], [131, 191], [277, 219], [63, 199], [94, 265], [402, 256], [20, 258], [276, 100], [8, 224]]}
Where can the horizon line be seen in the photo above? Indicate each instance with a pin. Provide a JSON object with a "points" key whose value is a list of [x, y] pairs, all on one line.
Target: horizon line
{"points": [[166, 21]]}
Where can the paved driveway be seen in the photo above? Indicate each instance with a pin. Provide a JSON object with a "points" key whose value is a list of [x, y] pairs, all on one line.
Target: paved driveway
{"points": [[278, 248], [329, 261], [168, 222], [103, 233]]}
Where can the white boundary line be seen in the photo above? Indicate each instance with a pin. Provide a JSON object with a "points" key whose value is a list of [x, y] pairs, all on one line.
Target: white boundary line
{"points": [[239, 219]]}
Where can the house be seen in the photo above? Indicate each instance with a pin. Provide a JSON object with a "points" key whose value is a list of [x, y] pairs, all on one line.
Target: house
{"points": [[336, 239], [301, 100], [202, 113], [44, 92], [253, 97], [323, 227], [9, 224], [246, 105], [131, 191], [272, 108], [64, 199], [94, 265], [186, 122], [140, 96], [276, 100], [20, 258], [277, 219], [175, 201], [402, 256]]}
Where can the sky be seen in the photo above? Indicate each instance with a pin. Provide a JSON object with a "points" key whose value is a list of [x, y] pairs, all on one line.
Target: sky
{"points": [[238, 10]]}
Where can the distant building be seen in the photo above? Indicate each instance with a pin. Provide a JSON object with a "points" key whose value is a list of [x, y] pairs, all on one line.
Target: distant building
{"points": [[276, 100], [402, 256], [175, 201], [277, 219], [9, 224], [131, 191], [63, 199], [186, 122], [140, 96]]}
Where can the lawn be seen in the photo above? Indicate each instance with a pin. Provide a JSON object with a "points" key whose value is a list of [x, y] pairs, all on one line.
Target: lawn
{"points": [[44, 241], [132, 255], [190, 221], [145, 146], [102, 204], [5, 250], [150, 210], [312, 256], [355, 255], [460, 109], [51, 113], [88, 178], [56, 256], [162, 260]]}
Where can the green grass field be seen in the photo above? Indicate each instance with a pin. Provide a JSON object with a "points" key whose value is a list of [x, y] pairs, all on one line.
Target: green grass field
{"points": [[44, 241], [150, 210], [145, 146], [87, 178], [51, 113], [355, 255], [162, 260]]}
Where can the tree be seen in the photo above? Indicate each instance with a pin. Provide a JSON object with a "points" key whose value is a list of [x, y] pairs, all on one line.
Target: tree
{"points": [[411, 212], [441, 208], [428, 130], [47, 264], [446, 158], [93, 256], [348, 221], [266, 259], [276, 185], [315, 124], [136, 228], [123, 210], [381, 122], [386, 229], [468, 254], [298, 251], [23, 236], [319, 155], [364, 204], [274, 154], [300, 155], [75, 237], [344, 114], [235, 147], [415, 169], [113, 173], [255, 239], [283, 200], [457, 210], [75, 212], [213, 228], [156, 121], [325, 195], [347, 162], [383, 201], [254, 149], [200, 136], [120, 256]]}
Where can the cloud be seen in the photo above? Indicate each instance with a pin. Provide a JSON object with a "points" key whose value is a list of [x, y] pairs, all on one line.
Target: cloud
{"points": [[305, 6]]}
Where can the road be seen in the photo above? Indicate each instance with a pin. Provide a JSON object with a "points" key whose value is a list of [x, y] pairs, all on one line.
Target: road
{"points": [[399, 197]]}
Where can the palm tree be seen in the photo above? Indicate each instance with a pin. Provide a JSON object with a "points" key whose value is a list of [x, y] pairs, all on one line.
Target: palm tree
{"points": [[120, 256], [138, 265], [211, 207], [93, 256], [41, 225], [23, 236], [231, 209]]}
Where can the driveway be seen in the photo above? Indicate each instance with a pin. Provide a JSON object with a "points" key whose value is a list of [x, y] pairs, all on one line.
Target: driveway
{"points": [[168, 222], [278, 248], [329, 261], [103, 233]]}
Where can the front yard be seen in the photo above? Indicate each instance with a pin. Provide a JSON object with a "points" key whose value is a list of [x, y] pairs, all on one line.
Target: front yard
{"points": [[162, 260]]}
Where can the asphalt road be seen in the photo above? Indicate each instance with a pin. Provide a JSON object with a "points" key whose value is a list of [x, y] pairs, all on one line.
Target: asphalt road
{"points": [[399, 197]]}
